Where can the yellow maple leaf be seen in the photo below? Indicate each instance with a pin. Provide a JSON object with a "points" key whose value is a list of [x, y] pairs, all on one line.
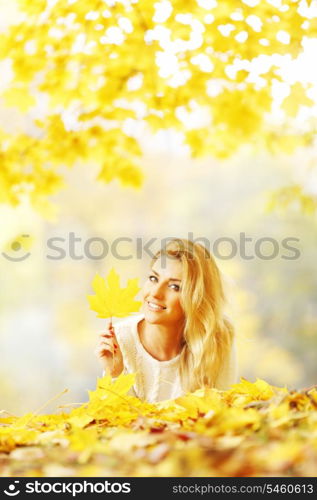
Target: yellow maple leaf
{"points": [[119, 387], [245, 391], [111, 300], [203, 404]]}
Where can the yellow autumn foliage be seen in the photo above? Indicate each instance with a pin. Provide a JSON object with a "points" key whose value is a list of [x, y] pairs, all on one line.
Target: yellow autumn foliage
{"points": [[96, 69], [252, 429]]}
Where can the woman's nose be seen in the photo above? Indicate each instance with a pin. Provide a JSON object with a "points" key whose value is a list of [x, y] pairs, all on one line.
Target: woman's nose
{"points": [[158, 290]]}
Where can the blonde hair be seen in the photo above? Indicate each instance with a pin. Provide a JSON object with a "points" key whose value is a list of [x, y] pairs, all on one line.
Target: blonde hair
{"points": [[207, 334]]}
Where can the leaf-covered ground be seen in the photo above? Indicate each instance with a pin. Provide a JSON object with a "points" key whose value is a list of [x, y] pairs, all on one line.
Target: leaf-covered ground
{"points": [[253, 429]]}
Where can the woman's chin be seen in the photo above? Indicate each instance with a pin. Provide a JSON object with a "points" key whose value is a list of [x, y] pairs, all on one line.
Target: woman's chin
{"points": [[152, 316]]}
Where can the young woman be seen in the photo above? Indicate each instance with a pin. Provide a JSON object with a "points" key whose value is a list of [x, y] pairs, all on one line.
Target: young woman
{"points": [[181, 340]]}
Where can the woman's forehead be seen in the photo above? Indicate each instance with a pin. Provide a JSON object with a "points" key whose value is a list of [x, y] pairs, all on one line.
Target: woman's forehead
{"points": [[167, 266]]}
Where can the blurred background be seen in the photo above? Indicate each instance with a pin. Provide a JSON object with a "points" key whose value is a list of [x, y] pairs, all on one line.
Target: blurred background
{"points": [[48, 332], [265, 249]]}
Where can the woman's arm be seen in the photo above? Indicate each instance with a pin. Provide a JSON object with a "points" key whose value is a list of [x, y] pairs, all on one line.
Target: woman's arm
{"points": [[125, 342], [109, 352]]}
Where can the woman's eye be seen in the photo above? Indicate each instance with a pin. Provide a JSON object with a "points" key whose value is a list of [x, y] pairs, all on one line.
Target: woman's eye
{"points": [[151, 277], [177, 287]]}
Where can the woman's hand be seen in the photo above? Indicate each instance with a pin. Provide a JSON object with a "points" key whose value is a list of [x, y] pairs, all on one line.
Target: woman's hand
{"points": [[109, 353]]}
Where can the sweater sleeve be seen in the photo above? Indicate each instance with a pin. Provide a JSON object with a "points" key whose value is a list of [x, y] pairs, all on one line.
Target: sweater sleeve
{"points": [[229, 372]]}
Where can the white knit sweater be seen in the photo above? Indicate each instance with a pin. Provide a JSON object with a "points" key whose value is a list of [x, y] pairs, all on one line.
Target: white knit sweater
{"points": [[159, 380]]}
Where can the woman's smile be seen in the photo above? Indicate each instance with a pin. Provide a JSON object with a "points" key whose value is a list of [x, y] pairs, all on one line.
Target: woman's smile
{"points": [[153, 306]]}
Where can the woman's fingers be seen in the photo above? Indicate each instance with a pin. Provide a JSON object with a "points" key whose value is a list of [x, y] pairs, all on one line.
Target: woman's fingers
{"points": [[108, 344], [106, 335], [110, 326], [104, 353], [105, 343], [107, 332]]}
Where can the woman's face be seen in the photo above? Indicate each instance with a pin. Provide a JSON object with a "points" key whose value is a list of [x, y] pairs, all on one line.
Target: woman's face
{"points": [[161, 293]]}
